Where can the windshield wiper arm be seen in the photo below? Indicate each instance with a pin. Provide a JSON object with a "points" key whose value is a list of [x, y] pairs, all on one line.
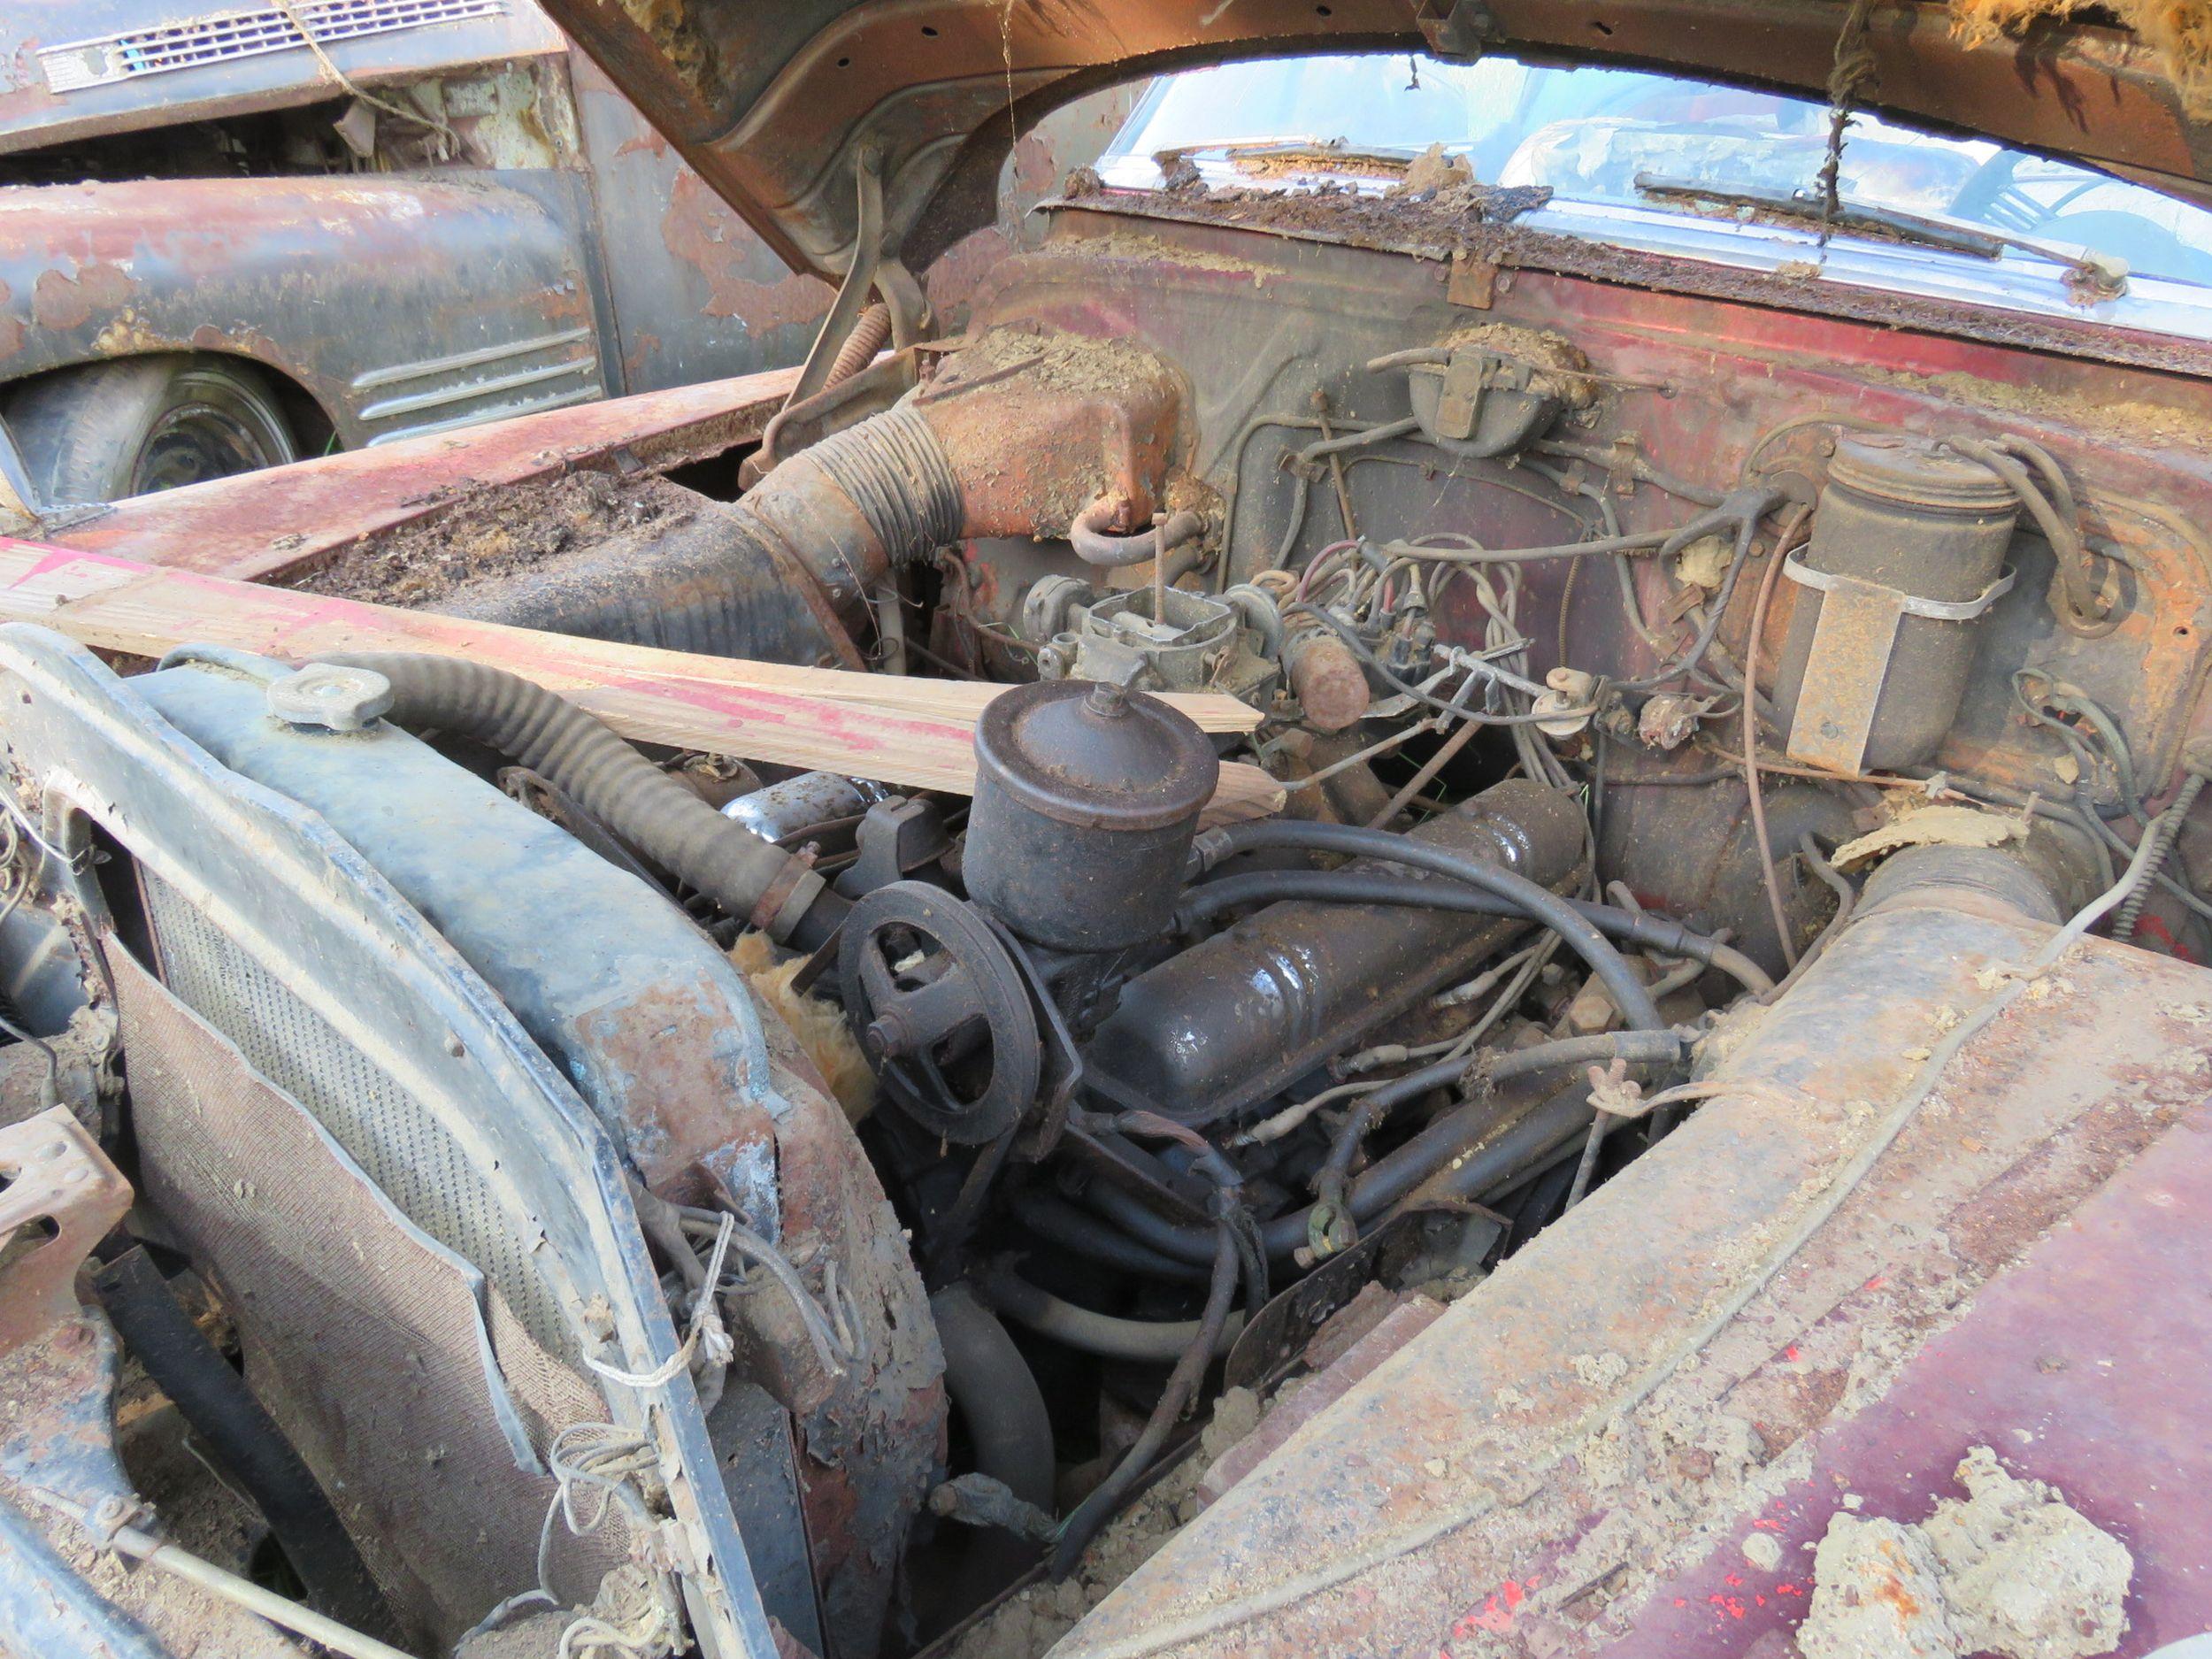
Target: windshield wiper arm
{"points": [[2090, 275], [1261, 150]]}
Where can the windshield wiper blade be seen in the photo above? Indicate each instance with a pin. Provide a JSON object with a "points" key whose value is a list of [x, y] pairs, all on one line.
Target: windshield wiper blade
{"points": [[1849, 215], [2090, 275], [1324, 151]]}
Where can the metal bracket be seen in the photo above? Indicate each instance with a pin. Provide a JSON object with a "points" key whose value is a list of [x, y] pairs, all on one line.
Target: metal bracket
{"points": [[1911, 604], [58, 1179], [1456, 28], [1844, 672], [1842, 689], [1459, 403]]}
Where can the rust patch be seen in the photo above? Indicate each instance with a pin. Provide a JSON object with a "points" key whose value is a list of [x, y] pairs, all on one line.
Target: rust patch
{"points": [[699, 229], [1432, 230], [11, 326], [62, 303]]}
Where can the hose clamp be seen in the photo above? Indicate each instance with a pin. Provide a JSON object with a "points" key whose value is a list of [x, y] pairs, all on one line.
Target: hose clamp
{"points": [[787, 900]]}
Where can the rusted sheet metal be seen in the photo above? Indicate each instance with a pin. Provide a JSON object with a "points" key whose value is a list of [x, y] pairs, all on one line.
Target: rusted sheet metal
{"points": [[770, 103], [696, 296], [399, 305], [1704, 386], [2109, 1410], [33, 114], [1454, 242], [55, 1174], [871, 1436], [260, 525], [1069, 138], [1739, 1326]]}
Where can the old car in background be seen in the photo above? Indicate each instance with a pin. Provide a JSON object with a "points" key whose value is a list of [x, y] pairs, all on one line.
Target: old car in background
{"points": [[233, 235], [1440, 891]]}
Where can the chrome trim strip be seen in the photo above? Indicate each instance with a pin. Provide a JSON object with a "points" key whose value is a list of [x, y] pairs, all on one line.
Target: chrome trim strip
{"points": [[424, 369], [415, 402], [582, 394], [220, 37]]}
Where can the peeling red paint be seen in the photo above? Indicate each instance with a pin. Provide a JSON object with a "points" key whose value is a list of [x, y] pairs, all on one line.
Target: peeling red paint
{"points": [[703, 232], [62, 301]]}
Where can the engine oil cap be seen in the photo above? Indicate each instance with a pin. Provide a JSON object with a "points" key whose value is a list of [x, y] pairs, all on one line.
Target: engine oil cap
{"points": [[1094, 755]]}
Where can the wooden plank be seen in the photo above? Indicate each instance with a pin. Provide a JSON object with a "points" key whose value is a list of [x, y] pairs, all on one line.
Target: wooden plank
{"points": [[259, 525], [912, 733]]}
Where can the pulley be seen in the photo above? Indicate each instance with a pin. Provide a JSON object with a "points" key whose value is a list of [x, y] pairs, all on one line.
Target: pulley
{"points": [[941, 1010]]}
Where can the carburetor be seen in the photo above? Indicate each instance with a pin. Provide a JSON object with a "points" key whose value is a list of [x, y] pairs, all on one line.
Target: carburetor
{"points": [[1176, 640]]}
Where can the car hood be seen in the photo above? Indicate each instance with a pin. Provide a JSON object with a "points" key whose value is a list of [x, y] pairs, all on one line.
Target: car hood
{"points": [[773, 100]]}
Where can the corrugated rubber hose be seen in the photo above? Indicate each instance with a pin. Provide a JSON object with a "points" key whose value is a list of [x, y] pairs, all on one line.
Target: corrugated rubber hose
{"points": [[584, 758]]}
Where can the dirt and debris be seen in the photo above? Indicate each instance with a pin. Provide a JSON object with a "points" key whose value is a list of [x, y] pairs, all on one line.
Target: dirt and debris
{"points": [[2180, 31], [1179, 174], [1878, 1594], [2010, 1570], [534, 1636], [1763, 1551], [2028, 1575], [1436, 221], [495, 534], [1932, 826], [1474, 221], [1034, 1619], [818, 1024], [188, 1622], [1564, 370], [1433, 169], [1601, 1371], [2182, 426]]}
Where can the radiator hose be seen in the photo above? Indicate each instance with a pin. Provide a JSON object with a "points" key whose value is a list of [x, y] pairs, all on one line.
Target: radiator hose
{"points": [[581, 755], [1009, 1432]]}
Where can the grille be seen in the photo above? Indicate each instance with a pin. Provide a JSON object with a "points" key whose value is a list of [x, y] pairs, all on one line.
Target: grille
{"points": [[398, 1144], [222, 37]]}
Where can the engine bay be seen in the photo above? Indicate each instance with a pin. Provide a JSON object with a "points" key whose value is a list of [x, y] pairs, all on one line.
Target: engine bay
{"points": [[1452, 727]]}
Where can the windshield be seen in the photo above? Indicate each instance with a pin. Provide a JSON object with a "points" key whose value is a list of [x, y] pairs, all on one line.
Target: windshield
{"points": [[1610, 135]]}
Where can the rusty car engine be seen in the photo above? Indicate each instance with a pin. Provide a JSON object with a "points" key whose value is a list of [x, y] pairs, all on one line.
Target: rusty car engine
{"points": [[1449, 728]]}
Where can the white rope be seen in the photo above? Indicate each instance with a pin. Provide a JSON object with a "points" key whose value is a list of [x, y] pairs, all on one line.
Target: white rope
{"points": [[705, 1317]]}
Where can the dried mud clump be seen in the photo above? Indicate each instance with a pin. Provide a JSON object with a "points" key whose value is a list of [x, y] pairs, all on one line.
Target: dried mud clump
{"points": [[2011, 1569]]}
